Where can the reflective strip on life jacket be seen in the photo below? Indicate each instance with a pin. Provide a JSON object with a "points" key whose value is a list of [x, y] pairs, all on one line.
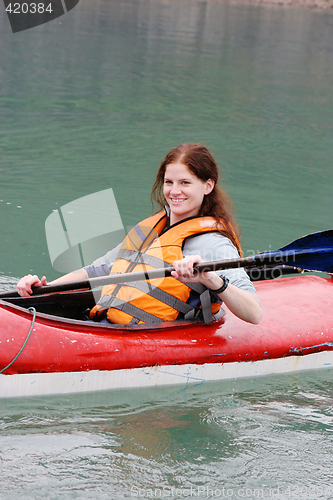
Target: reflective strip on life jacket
{"points": [[149, 260]]}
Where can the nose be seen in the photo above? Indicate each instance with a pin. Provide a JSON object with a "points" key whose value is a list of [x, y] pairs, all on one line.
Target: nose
{"points": [[175, 189]]}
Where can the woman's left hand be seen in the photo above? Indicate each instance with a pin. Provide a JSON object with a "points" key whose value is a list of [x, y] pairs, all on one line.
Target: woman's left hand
{"points": [[184, 269], [240, 302]]}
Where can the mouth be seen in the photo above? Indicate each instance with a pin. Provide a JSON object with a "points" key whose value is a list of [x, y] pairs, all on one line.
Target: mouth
{"points": [[177, 200]]}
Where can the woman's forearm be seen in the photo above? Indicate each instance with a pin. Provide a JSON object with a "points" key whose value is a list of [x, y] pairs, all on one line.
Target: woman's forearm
{"points": [[79, 274], [241, 303]]}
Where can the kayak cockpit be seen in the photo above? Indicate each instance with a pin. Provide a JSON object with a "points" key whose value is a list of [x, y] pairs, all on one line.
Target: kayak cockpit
{"points": [[67, 305], [73, 307]]}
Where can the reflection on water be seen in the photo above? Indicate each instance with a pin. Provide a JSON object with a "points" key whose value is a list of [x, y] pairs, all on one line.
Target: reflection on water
{"points": [[236, 434]]}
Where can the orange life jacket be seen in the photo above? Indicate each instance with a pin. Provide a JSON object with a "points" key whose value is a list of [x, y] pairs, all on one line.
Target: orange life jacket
{"points": [[148, 247]]}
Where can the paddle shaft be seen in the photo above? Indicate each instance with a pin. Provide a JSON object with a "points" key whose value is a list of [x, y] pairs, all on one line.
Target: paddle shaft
{"points": [[259, 260]]}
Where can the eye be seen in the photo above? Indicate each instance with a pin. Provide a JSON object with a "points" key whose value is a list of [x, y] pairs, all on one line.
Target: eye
{"points": [[167, 182], [186, 182]]}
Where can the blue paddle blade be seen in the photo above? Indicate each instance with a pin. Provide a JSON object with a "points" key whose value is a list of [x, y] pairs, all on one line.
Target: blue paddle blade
{"points": [[313, 252], [312, 241]]}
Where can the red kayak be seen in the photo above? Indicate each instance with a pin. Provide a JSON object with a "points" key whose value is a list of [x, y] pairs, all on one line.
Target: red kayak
{"points": [[46, 353]]}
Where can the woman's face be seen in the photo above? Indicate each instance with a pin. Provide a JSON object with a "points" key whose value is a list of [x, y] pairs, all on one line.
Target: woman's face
{"points": [[183, 191]]}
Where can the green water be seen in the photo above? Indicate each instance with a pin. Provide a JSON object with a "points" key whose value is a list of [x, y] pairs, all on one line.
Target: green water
{"points": [[94, 100], [264, 438]]}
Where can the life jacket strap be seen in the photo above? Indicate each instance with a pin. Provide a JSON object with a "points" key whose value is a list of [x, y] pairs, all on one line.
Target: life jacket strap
{"points": [[161, 295], [142, 258], [130, 309], [197, 287], [189, 311], [206, 306], [151, 290]]}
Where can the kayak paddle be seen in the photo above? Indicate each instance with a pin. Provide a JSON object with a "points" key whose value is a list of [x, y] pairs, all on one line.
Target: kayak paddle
{"points": [[312, 252]]}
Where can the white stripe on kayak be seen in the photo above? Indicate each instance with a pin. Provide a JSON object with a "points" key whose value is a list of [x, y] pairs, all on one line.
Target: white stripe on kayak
{"points": [[34, 384]]}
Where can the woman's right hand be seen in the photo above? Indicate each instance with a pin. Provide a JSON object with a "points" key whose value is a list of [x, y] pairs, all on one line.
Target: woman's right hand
{"points": [[24, 286]]}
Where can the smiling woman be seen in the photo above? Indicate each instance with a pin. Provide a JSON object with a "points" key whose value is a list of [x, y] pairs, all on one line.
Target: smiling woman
{"points": [[194, 225]]}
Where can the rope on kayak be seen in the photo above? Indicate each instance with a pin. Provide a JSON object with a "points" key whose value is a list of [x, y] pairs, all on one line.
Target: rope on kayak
{"points": [[33, 310]]}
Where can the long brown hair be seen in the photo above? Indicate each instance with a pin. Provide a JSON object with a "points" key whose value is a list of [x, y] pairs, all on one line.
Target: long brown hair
{"points": [[217, 203]]}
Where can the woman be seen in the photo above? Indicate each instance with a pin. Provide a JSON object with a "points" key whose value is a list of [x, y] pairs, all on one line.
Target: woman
{"points": [[195, 226]]}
